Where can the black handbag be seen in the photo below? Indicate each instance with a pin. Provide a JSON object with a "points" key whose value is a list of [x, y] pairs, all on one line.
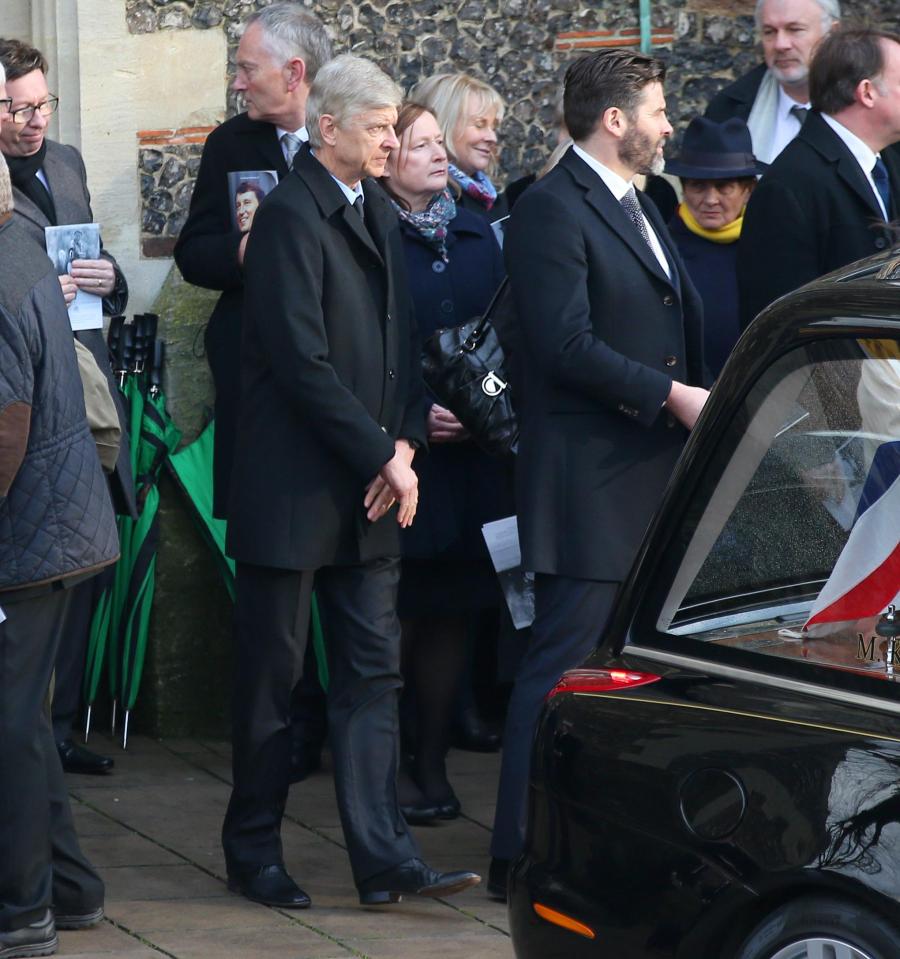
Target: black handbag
{"points": [[464, 367]]}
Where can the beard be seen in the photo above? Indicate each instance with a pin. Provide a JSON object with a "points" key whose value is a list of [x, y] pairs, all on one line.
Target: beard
{"points": [[640, 153]]}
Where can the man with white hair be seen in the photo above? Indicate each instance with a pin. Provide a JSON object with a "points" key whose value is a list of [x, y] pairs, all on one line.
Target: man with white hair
{"points": [[331, 414], [773, 98]]}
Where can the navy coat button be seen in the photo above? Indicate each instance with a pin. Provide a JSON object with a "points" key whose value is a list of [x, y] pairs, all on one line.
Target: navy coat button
{"points": [[439, 266], [880, 243], [387, 319], [446, 306], [671, 360], [668, 299], [391, 374]]}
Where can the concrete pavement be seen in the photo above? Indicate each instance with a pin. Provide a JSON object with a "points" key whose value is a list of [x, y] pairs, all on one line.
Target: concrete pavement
{"points": [[152, 829]]}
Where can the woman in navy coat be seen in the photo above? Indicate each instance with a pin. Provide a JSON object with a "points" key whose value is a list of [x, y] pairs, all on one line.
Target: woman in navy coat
{"points": [[718, 173], [454, 266]]}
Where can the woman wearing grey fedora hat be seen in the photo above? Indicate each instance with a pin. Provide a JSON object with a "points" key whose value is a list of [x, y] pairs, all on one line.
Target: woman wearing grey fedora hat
{"points": [[718, 171]]}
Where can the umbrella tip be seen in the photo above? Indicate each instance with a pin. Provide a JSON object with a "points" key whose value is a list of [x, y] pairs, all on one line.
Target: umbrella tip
{"points": [[113, 724], [125, 729], [87, 724]]}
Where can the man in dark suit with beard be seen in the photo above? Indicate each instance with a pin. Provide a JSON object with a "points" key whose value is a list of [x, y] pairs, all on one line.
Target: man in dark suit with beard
{"points": [[331, 414], [50, 189], [829, 197], [612, 334]]}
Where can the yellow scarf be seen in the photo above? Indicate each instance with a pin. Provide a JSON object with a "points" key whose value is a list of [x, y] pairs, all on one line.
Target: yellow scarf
{"points": [[725, 234]]}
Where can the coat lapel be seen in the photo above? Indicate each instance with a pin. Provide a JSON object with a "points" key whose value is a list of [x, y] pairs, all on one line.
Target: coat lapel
{"points": [[600, 198], [264, 138], [66, 185], [826, 142]]}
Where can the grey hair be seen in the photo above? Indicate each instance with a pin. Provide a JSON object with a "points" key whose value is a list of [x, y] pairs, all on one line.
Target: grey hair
{"points": [[290, 31], [831, 12], [345, 87]]}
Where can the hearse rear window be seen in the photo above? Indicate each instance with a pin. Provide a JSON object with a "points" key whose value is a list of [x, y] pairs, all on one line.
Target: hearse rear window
{"points": [[782, 546]]}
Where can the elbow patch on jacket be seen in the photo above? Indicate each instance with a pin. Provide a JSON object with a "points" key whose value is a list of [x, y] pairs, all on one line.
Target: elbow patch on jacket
{"points": [[15, 423]]}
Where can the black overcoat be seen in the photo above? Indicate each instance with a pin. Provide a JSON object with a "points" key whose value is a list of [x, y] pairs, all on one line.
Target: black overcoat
{"points": [[330, 375], [813, 212], [605, 332], [207, 255], [737, 98]]}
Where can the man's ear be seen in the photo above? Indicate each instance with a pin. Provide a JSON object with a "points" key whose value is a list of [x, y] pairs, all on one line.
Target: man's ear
{"points": [[614, 121], [295, 69], [865, 93], [328, 129]]}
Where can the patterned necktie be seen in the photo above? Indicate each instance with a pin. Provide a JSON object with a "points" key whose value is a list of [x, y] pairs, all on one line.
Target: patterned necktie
{"points": [[290, 143], [800, 113], [882, 184], [633, 208]]}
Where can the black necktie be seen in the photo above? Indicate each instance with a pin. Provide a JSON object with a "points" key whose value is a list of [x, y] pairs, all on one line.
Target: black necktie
{"points": [[358, 206], [800, 113], [633, 208], [882, 184]]}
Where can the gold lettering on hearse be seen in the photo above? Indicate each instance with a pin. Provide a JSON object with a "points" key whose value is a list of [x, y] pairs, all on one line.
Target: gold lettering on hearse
{"points": [[866, 651]]}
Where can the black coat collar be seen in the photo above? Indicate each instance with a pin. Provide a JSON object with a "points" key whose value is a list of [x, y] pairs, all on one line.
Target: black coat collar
{"points": [[264, 135], [745, 88], [601, 199], [821, 138]]}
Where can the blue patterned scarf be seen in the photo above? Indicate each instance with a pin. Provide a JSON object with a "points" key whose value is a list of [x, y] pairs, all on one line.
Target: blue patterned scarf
{"points": [[431, 222], [479, 187]]}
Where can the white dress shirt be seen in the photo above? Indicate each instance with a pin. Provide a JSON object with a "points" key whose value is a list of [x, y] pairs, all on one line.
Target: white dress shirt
{"points": [[619, 187], [787, 126], [864, 155]]}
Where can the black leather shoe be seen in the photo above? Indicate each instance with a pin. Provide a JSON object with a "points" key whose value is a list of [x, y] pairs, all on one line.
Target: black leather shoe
{"points": [[449, 808], [498, 879], [272, 886], [416, 878], [38, 939], [77, 759], [79, 920], [420, 814]]}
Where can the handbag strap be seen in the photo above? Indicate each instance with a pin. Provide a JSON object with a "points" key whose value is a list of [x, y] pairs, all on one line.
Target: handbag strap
{"points": [[477, 334]]}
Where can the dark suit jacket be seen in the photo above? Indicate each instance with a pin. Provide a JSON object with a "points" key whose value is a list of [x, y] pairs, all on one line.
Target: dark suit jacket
{"points": [[206, 253], [65, 172], [604, 334], [330, 375], [736, 100], [813, 212]]}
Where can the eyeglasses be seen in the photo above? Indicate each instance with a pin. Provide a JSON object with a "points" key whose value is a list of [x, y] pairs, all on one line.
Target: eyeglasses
{"points": [[5, 104], [24, 114]]}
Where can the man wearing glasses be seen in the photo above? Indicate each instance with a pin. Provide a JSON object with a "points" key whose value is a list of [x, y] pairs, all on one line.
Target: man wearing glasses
{"points": [[50, 188]]}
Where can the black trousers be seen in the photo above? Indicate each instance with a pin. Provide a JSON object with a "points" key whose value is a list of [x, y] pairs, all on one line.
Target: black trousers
{"points": [[71, 655], [358, 609], [34, 804], [570, 615]]}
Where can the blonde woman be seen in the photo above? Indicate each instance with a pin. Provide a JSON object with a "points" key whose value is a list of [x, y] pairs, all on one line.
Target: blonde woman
{"points": [[469, 112]]}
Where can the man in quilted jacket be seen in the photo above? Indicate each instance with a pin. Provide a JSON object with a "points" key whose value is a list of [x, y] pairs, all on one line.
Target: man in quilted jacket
{"points": [[57, 529]]}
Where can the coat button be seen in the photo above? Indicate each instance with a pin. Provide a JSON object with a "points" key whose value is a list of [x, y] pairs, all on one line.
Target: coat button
{"points": [[391, 374], [880, 243], [668, 299], [387, 319], [671, 360], [439, 266], [446, 306]]}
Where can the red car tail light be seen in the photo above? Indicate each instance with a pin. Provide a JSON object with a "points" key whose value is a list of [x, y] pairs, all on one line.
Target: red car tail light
{"points": [[600, 681]]}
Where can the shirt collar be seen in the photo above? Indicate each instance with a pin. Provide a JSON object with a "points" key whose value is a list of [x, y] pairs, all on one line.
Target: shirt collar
{"points": [[300, 134], [614, 183], [786, 104], [352, 193], [862, 152]]}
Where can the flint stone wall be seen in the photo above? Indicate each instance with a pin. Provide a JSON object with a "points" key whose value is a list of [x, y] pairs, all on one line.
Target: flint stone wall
{"points": [[522, 47]]}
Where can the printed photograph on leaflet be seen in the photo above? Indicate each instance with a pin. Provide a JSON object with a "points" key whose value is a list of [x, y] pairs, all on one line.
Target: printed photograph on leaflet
{"points": [[77, 241]]}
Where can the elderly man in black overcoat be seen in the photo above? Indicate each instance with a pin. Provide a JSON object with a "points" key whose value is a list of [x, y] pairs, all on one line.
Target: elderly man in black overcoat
{"points": [[331, 414], [612, 336], [831, 196]]}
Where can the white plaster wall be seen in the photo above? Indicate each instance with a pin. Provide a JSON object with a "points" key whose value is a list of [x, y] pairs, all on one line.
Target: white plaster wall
{"points": [[154, 81], [15, 19]]}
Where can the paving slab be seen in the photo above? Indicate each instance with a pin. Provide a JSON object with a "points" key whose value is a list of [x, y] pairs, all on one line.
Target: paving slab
{"points": [[153, 826]]}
